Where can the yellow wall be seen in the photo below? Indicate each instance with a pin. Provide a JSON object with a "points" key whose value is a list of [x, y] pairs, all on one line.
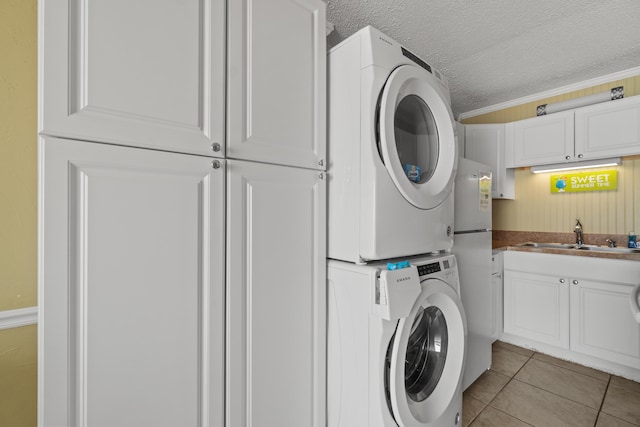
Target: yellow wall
{"points": [[18, 207], [536, 209]]}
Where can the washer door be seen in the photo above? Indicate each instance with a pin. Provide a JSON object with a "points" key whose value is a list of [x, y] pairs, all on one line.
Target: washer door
{"points": [[427, 356], [416, 136]]}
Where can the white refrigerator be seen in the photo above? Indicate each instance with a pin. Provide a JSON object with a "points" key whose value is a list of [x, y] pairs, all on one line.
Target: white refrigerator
{"points": [[472, 247]]}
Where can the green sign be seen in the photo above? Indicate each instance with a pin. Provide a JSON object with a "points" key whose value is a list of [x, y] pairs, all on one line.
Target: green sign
{"points": [[584, 181]]}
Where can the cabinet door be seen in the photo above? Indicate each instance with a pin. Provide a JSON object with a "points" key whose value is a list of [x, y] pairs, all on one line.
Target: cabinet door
{"points": [[497, 296], [134, 72], [486, 144], [131, 287], [608, 129], [602, 324], [277, 89], [536, 307], [276, 303], [543, 140]]}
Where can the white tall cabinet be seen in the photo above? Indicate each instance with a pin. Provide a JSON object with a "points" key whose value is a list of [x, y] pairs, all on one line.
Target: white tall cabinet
{"points": [[182, 236], [277, 75], [275, 296], [131, 294], [142, 73]]}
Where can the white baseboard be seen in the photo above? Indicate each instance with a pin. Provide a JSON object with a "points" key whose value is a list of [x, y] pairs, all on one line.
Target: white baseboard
{"points": [[19, 317], [574, 356]]}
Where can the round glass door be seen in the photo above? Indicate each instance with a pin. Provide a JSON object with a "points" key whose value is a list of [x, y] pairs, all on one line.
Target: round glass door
{"points": [[425, 358], [416, 136], [426, 353]]}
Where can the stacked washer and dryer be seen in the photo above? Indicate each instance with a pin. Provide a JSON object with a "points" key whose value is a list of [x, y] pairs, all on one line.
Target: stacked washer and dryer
{"points": [[396, 336]]}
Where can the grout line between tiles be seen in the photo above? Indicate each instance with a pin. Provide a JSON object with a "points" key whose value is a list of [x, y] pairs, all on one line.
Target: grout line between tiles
{"points": [[555, 394], [565, 397], [511, 378], [504, 386], [573, 370], [511, 415], [604, 396]]}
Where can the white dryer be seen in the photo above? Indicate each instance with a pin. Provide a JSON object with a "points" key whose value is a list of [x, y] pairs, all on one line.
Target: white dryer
{"points": [[392, 152], [396, 344]]}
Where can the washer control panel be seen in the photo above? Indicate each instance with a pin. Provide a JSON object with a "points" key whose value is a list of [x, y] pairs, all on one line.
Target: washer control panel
{"points": [[434, 267]]}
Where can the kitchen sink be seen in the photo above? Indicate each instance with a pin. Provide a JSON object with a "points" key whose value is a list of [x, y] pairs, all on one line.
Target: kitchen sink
{"points": [[608, 249], [547, 245], [580, 248]]}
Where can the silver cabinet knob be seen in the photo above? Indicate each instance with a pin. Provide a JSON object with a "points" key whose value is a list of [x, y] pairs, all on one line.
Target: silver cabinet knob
{"points": [[215, 147], [561, 280], [580, 156], [215, 164], [575, 282]]}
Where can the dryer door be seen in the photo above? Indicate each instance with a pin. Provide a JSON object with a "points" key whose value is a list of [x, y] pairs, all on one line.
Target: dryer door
{"points": [[416, 137], [427, 356]]}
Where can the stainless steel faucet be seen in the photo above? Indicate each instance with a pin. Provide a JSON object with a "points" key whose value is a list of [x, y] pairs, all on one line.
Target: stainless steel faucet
{"points": [[578, 230]]}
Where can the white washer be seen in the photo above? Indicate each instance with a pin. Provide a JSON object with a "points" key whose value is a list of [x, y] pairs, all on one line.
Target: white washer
{"points": [[396, 344], [388, 110]]}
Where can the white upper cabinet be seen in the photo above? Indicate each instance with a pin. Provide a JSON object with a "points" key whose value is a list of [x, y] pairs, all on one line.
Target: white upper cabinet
{"points": [[541, 140], [131, 287], [608, 129], [486, 144], [277, 90], [276, 296], [593, 132], [140, 73]]}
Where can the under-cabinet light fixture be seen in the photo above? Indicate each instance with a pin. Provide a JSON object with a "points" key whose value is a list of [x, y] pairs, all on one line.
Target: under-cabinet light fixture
{"points": [[601, 163]]}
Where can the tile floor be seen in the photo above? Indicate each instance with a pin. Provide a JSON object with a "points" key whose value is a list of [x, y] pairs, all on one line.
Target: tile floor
{"points": [[524, 388]]}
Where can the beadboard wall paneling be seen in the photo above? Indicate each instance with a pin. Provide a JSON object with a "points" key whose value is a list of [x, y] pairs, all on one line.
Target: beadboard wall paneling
{"points": [[537, 209]]}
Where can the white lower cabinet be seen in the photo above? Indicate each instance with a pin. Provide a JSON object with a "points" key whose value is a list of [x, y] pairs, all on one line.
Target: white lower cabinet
{"points": [[276, 296], [131, 287], [580, 304], [537, 307], [600, 322]]}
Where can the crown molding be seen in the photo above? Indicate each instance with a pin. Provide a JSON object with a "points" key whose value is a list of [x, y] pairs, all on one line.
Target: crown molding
{"points": [[553, 92]]}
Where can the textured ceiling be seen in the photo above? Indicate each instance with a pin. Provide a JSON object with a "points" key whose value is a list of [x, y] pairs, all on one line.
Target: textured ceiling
{"points": [[495, 51]]}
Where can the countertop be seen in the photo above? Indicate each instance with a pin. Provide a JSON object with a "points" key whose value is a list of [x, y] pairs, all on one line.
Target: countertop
{"points": [[507, 240]]}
